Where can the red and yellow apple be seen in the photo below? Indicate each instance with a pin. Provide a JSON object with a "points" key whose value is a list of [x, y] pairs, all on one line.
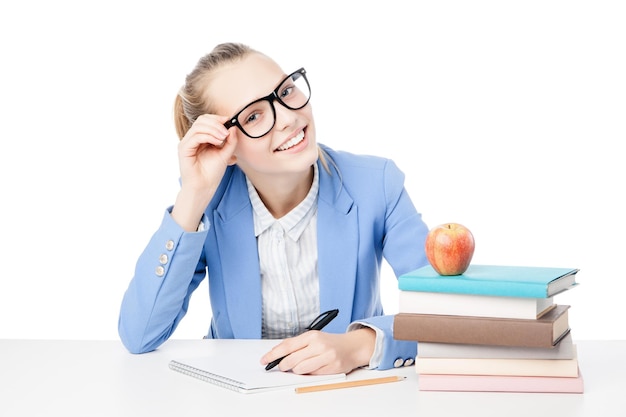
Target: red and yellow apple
{"points": [[449, 248]]}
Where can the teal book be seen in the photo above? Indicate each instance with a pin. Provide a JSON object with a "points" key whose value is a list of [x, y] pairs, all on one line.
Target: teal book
{"points": [[495, 280]]}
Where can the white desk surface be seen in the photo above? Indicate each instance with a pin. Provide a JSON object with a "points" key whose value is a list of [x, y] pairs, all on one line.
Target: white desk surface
{"points": [[100, 378]]}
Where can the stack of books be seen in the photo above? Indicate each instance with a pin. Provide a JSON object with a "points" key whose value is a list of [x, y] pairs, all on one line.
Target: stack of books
{"points": [[493, 328]]}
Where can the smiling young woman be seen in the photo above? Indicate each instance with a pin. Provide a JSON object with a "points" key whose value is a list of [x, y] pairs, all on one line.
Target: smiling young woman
{"points": [[283, 227]]}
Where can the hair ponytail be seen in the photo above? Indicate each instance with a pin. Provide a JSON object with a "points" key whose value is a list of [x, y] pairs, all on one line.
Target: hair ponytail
{"points": [[191, 100], [181, 122]]}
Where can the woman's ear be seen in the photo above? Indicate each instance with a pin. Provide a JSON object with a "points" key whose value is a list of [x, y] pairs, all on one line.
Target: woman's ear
{"points": [[230, 145], [232, 160]]}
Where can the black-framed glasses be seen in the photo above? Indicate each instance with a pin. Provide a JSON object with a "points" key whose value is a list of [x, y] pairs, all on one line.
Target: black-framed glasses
{"points": [[258, 118]]}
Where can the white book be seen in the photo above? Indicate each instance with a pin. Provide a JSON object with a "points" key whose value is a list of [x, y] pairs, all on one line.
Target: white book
{"points": [[513, 367], [451, 304], [563, 350], [501, 383]]}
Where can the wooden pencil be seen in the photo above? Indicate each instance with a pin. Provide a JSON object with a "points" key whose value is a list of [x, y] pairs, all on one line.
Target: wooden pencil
{"points": [[349, 384]]}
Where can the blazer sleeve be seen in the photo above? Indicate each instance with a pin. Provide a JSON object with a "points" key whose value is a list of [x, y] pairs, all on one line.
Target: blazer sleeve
{"points": [[405, 231], [403, 248], [167, 272], [389, 353]]}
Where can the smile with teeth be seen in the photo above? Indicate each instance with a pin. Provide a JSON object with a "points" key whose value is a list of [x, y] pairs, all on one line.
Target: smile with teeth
{"points": [[292, 142]]}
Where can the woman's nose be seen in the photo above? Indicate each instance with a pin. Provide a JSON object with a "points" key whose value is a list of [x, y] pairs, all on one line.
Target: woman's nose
{"points": [[284, 117]]}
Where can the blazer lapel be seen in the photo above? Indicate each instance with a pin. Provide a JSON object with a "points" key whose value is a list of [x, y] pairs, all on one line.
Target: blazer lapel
{"points": [[337, 243], [241, 277]]}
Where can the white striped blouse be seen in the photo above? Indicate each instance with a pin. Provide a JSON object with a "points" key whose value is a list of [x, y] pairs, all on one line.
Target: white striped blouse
{"points": [[288, 260]]}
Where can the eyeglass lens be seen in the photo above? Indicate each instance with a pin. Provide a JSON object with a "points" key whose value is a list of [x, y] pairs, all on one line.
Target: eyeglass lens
{"points": [[258, 118]]}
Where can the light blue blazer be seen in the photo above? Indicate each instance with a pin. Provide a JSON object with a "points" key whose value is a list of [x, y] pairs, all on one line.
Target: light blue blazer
{"points": [[364, 214]]}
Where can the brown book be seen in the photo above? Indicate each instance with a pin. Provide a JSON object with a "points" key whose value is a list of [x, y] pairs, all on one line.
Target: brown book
{"points": [[545, 331]]}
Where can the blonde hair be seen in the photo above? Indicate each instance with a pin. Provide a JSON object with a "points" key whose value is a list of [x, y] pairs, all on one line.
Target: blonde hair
{"points": [[191, 100]]}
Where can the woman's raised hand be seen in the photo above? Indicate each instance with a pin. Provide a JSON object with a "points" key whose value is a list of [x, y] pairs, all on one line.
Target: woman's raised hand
{"points": [[203, 155]]}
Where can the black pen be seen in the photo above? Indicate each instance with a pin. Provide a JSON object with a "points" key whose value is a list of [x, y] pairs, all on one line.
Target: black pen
{"points": [[317, 324]]}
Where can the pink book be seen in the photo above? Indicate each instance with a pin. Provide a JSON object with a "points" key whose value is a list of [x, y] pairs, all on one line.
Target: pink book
{"points": [[497, 383]]}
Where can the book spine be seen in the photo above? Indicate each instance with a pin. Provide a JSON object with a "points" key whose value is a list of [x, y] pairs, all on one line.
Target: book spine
{"points": [[496, 288], [474, 330], [563, 350], [502, 367], [488, 383], [449, 304]]}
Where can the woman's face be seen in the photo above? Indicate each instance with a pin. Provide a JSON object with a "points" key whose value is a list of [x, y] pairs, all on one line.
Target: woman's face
{"points": [[290, 147]]}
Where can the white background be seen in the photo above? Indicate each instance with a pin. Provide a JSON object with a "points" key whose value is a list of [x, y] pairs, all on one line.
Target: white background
{"points": [[506, 116]]}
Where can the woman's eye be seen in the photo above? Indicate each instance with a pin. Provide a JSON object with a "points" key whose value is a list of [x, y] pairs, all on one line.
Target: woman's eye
{"points": [[285, 92], [251, 118]]}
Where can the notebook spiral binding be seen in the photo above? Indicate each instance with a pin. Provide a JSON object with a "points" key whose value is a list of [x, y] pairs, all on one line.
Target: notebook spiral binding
{"points": [[224, 382]]}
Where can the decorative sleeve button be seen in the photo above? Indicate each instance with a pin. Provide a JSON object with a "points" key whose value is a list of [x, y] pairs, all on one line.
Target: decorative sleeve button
{"points": [[398, 362], [163, 259], [159, 271], [169, 245]]}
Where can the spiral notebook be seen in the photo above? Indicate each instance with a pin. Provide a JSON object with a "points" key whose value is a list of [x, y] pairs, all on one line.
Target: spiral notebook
{"points": [[234, 364]]}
